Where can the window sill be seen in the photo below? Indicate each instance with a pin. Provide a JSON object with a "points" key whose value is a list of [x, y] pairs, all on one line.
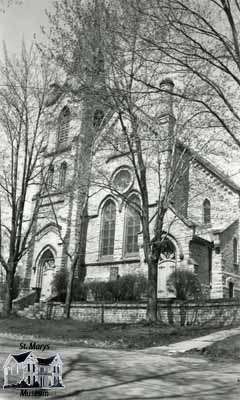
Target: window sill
{"points": [[106, 258], [131, 255]]}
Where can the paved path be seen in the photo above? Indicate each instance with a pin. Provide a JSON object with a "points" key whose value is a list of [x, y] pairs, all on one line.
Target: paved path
{"points": [[196, 343], [97, 374]]}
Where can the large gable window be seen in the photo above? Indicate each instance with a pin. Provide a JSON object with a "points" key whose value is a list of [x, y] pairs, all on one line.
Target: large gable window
{"points": [[108, 228], [63, 125], [132, 226], [206, 212]]}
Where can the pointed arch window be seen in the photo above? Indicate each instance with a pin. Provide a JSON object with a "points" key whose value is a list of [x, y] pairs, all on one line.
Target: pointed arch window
{"points": [[206, 212], [50, 177], [108, 228], [132, 226], [62, 175], [235, 251], [63, 125]]}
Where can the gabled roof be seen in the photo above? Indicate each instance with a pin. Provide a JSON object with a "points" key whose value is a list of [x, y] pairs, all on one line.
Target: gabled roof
{"points": [[210, 167], [21, 357], [49, 360], [45, 361]]}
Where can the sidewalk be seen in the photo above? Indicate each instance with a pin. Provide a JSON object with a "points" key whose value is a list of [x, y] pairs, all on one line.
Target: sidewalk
{"points": [[190, 344]]}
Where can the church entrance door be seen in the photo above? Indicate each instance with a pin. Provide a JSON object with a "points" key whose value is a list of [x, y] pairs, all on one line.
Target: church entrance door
{"points": [[166, 265], [44, 273]]}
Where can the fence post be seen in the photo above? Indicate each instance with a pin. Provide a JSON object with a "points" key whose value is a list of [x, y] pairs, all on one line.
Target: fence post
{"points": [[102, 313]]}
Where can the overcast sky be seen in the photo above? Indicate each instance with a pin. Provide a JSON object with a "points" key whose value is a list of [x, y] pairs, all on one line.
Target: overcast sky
{"points": [[23, 20]]}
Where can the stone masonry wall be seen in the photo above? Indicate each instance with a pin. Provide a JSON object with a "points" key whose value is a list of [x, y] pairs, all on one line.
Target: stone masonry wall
{"points": [[210, 313], [204, 185], [200, 254], [227, 247]]}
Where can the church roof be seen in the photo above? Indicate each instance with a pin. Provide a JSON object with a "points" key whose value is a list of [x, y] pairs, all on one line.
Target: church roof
{"points": [[209, 166]]}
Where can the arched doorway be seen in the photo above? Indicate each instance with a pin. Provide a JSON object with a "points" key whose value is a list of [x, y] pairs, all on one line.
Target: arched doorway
{"points": [[166, 265], [45, 266]]}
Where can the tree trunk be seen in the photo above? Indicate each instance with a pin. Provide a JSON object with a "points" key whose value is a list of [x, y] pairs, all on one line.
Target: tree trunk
{"points": [[152, 290], [9, 293], [153, 259], [79, 260], [68, 299]]}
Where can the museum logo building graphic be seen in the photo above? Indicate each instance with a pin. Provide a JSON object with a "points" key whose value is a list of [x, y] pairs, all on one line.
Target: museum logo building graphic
{"points": [[27, 371]]}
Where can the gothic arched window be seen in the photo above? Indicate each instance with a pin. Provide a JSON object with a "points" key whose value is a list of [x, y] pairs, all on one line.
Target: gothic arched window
{"points": [[50, 177], [108, 228], [206, 212], [62, 175], [132, 226], [63, 125]]}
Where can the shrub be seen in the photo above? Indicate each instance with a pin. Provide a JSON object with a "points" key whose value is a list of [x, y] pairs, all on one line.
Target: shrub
{"points": [[79, 292], [129, 287], [184, 284], [59, 284], [98, 290], [126, 288]]}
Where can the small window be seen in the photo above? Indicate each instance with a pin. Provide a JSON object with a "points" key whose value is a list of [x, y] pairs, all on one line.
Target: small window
{"points": [[33, 368], [98, 118], [235, 251], [206, 212], [113, 274], [108, 228], [29, 380], [231, 289], [63, 125], [62, 175]]}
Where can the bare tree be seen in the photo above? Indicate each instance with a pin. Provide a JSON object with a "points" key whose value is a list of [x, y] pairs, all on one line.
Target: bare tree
{"points": [[202, 47], [24, 83]]}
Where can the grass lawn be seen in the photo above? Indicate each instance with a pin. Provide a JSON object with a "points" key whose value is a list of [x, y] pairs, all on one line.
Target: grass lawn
{"points": [[225, 349], [121, 336]]}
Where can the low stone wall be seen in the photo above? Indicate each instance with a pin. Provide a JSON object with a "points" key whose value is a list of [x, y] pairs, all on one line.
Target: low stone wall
{"points": [[102, 313], [170, 312], [210, 312]]}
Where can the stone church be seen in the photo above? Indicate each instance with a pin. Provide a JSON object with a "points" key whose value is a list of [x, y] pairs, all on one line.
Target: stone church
{"points": [[204, 237]]}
